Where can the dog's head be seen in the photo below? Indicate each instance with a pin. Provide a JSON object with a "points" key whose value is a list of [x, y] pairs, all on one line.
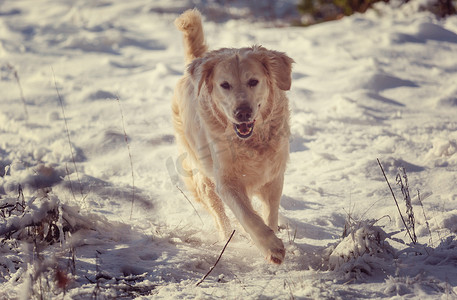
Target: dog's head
{"points": [[239, 82]]}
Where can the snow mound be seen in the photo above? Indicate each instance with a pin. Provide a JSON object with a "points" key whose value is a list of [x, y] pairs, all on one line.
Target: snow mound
{"points": [[406, 285], [361, 252], [445, 253], [430, 31], [443, 147], [377, 81], [448, 220]]}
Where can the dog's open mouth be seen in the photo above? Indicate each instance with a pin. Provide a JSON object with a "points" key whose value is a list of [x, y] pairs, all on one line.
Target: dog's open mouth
{"points": [[244, 130]]}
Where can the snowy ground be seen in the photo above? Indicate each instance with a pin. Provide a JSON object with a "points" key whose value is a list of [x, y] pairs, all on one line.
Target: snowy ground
{"points": [[380, 85]]}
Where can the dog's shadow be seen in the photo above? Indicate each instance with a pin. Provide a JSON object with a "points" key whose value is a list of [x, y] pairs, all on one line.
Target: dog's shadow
{"points": [[312, 229]]}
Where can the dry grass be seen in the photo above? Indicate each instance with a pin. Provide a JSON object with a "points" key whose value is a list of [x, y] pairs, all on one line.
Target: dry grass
{"points": [[126, 140]]}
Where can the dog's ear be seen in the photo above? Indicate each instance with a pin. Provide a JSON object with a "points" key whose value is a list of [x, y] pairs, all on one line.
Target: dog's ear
{"points": [[277, 65], [281, 66], [201, 71]]}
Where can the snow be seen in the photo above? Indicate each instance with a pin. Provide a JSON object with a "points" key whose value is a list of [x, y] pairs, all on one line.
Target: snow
{"points": [[85, 95]]}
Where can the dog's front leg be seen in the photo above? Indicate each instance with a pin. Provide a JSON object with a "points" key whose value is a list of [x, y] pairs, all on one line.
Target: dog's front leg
{"points": [[233, 193]]}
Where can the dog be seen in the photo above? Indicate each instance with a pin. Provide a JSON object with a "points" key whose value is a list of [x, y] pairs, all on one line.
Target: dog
{"points": [[231, 120]]}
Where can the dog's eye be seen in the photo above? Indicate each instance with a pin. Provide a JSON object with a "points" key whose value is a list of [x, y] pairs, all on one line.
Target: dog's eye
{"points": [[253, 82], [225, 85]]}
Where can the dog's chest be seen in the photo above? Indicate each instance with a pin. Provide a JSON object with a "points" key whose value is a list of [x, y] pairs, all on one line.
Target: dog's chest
{"points": [[259, 165]]}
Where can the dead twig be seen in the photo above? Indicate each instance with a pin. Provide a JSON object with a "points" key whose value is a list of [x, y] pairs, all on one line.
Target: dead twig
{"points": [[425, 218], [220, 255], [69, 180], [396, 202], [7, 209], [130, 154], [97, 276], [409, 207], [190, 202], [16, 76], [68, 135]]}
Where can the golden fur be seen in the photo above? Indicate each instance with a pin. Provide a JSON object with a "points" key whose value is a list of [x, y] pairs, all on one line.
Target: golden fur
{"points": [[231, 120]]}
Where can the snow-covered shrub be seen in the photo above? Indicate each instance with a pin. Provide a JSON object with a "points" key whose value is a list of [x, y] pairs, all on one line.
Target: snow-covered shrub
{"points": [[316, 11], [39, 218], [362, 250], [441, 8], [328, 10], [28, 226]]}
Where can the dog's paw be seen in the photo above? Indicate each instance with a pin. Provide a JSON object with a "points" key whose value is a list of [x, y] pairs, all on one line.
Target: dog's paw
{"points": [[277, 257], [274, 249]]}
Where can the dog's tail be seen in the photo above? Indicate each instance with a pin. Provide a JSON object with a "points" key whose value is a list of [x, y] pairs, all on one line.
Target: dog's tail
{"points": [[190, 23]]}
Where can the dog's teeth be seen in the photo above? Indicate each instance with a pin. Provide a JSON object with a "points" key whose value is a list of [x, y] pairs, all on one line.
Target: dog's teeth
{"points": [[244, 130]]}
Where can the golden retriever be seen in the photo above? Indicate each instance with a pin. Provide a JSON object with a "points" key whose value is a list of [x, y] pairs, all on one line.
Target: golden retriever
{"points": [[231, 120]]}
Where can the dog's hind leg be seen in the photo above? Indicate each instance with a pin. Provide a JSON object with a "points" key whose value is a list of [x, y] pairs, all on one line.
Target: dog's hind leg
{"points": [[271, 197], [205, 190]]}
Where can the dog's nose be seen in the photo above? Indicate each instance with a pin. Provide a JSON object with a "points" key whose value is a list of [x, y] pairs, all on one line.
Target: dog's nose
{"points": [[243, 113]]}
